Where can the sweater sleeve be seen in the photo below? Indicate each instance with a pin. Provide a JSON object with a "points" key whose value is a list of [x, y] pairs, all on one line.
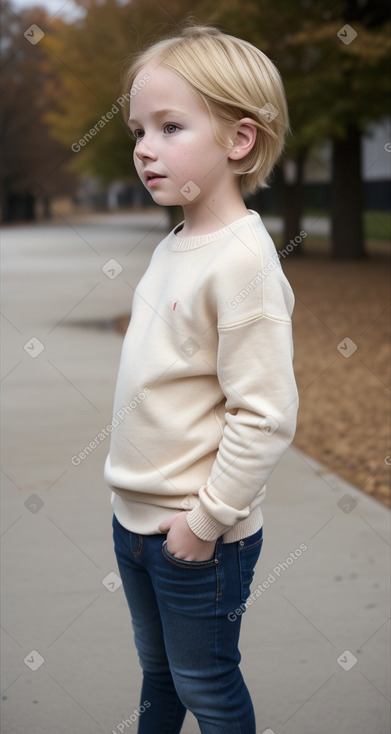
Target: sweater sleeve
{"points": [[255, 371]]}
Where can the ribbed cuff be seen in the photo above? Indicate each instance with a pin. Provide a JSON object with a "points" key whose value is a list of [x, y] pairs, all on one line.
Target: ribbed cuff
{"points": [[204, 525]]}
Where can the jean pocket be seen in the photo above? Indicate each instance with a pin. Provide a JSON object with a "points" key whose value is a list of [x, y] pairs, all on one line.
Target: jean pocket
{"points": [[186, 564], [249, 550]]}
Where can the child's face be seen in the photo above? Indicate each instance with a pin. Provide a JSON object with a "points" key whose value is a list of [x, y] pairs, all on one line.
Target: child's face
{"points": [[175, 141]]}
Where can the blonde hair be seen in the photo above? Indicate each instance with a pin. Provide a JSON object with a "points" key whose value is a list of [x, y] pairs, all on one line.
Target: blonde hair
{"points": [[235, 80]]}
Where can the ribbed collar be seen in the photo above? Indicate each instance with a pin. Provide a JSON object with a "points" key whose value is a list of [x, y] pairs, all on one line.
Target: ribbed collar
{"points": [[182, 244]]}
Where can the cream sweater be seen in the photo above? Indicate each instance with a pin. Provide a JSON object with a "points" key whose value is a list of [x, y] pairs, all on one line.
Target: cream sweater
{"points": [[206, 399]]}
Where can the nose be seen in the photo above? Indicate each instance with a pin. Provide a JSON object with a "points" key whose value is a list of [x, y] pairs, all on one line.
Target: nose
{"points": [[143, 151]]}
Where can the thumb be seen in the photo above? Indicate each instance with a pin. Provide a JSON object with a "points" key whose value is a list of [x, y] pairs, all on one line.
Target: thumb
{"points": [[166, 524]]}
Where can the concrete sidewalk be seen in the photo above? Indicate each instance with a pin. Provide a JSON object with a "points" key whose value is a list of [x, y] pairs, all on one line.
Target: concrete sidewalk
{"points": [[315, 640]]}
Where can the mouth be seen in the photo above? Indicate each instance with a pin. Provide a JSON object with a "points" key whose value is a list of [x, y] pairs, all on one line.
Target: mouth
{"points": [[153, 178]]}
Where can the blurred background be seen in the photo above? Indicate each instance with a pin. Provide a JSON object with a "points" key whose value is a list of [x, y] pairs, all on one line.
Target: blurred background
{"points": [[63, 78], [78, 231]]}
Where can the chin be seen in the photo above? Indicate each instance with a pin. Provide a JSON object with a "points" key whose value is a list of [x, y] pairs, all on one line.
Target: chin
{"points": [[165, 199]]}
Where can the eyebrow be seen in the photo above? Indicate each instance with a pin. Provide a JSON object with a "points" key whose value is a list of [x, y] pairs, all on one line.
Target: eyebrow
{"points": [[161, 113]]}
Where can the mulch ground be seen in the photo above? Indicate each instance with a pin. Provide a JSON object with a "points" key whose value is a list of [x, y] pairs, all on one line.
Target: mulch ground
{"points": [[344, 415]]}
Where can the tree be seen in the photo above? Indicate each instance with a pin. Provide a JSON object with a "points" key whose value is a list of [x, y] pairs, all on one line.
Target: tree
{"points": [[364, 81], [88, 58], [336, 84], [331, 86], [31, 159], [347, 89]]}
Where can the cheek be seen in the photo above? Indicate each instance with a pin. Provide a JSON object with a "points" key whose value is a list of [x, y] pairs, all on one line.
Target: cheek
{"points": [[189, 155]]}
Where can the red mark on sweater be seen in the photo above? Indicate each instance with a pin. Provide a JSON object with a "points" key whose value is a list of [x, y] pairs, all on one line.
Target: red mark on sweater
{"points": [[175, 305]]}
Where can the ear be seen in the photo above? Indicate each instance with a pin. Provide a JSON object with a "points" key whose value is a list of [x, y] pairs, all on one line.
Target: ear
{"points": [[246, 135]]}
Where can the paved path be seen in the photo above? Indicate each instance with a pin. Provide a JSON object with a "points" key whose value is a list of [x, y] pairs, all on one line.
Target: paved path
{"points": [[69, 664]]}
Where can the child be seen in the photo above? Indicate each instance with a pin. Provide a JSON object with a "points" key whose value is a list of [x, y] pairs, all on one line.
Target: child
{"points": [[206, 397]]}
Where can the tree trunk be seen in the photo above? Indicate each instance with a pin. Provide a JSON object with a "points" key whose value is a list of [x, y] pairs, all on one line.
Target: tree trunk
{"points": [[347, 198], [293, 195], [292, 190]]}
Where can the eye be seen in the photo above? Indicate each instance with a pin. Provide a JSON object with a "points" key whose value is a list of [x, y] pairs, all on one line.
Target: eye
{"points": [[138, 133], [170, 128]]}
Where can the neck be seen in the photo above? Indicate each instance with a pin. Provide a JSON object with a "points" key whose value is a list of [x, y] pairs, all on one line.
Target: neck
{"points": [[210, 216]]}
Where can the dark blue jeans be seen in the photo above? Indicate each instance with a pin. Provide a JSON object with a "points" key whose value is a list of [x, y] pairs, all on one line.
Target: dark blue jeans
{"points": [[186, 642]]}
